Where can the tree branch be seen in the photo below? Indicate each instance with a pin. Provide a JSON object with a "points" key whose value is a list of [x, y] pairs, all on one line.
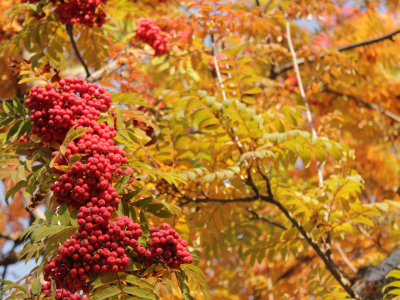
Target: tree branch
{"points": [[374, 106], [105, 71], [213, 200], [279, 70], [69, 28], [330, 266], [257, 217]]}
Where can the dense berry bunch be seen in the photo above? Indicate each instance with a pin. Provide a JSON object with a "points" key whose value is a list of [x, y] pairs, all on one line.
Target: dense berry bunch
{"points": [[88, 181], [86, 12], [166, 245], [150, 33], [55, 110], [61, 294], [99, 246]]}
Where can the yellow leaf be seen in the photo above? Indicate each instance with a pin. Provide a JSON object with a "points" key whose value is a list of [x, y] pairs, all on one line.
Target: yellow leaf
{"points": [[107, 84], [29, 79]]}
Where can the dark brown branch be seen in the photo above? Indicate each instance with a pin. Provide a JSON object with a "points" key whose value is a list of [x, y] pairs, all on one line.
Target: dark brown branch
{"points": [[304, 259], [374, 106], [213, 200], [257, 217], [330, 266], [8, 259], [69, 28], [279, 70]]}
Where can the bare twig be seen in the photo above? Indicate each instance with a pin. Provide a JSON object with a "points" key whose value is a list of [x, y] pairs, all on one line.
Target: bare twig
{"points": [[279, 70], [364, 232], [345, 258], [69, 28], [374, 106], [303, 96], [214, 53]]}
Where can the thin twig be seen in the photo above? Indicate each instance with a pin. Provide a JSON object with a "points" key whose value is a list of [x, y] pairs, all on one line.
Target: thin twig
{"points": [[69, 28], [279, 70], [364, 232], [257, 217], [303, 96], [374, 106], [149, 157], [214, 53], [345, 258]]}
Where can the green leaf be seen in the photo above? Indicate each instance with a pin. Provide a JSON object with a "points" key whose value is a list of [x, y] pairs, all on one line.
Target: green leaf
{"points": [[18, 106], [163, 213], [120, 184], [104, 279], [106, 293], [119, 117], [8, 109], [51, 164], [183, 284], [36, 286], [306, 157], [143, 202], [12, 191], [45, 153], [19, 296], [130, 195], [14, 129], [136, 281], [251, 90], [155, 207], [146, 294], [74, 218], [63, 214], [74, 158], [142, 216], [51, 217]]}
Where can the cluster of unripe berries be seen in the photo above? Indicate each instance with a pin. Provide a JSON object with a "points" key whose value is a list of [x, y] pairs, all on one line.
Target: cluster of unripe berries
{"points": [[167, 244], [86, 12], [61, 294], [149, 32]]}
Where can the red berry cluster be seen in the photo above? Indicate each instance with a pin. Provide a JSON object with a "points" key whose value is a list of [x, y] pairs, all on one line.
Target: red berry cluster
{"points": [[168, 246], [88, 181], [86, 12], [55, 110], [150, 33], [61, 294], [99, 246], [35, 15]]}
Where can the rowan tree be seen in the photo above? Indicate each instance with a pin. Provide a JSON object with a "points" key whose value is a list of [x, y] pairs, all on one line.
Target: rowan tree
{"points": [[200, 149]]}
